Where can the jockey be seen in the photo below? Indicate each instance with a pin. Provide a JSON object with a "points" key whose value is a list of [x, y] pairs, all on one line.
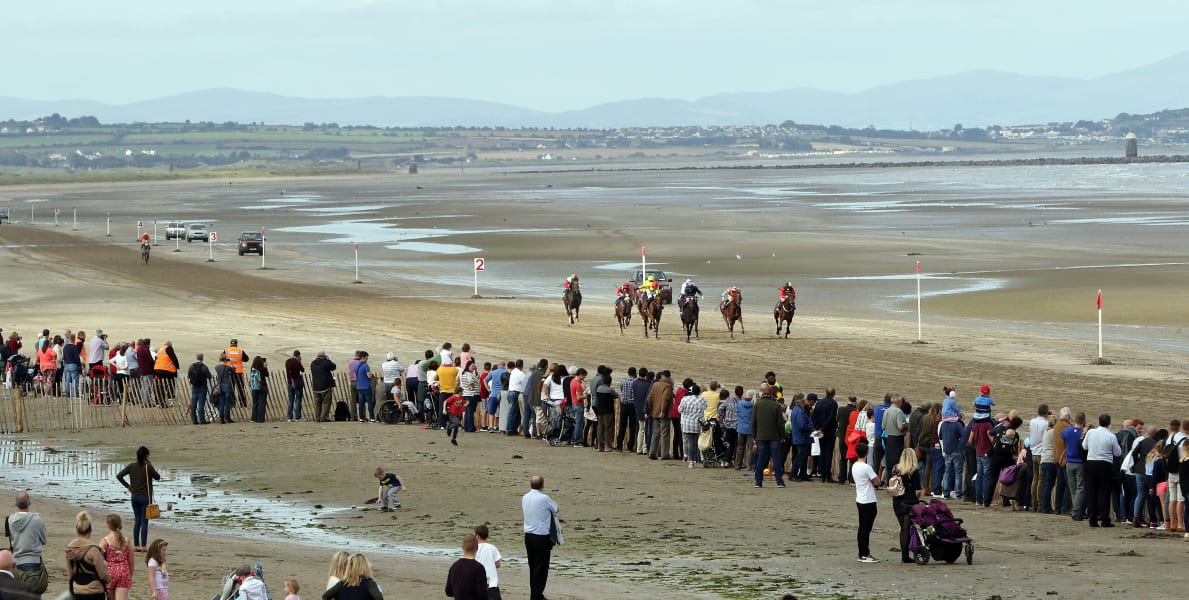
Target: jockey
{"points": [[726, 296], [648, 289], [689, 289], [788, 290], [622, 292], [570, 281]]}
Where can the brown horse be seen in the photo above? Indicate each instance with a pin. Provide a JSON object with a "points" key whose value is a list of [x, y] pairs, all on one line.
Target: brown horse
{"points": [[783, 313], [623, 314], [732, 311], [650, 312], [572, 298], [689, 317]]}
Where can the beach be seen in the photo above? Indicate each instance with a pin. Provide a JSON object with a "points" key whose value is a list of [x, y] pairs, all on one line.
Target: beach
{"points": [[1012, 259]]}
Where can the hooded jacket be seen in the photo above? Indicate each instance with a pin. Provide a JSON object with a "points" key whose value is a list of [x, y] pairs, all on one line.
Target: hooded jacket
{"points": [[86, 560], [27, 532]]}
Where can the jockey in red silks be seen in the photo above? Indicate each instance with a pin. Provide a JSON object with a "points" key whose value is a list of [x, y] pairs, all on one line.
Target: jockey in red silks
{"points": [[786, 291], [570, 282], [623, 292]]}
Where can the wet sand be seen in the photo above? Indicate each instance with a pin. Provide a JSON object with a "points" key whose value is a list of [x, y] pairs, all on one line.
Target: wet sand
{"points": [[629, 522]]}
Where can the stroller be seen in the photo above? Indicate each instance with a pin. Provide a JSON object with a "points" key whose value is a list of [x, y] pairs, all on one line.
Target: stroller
{"points": [[936, 533], [100, 389], [230, 588], [711, 445], [561, 427], [21, 374]]}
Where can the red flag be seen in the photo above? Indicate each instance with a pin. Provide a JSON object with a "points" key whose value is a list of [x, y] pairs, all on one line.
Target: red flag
{"points": [[357, 246], [918, 267], [642, 251], [1099, 299]]}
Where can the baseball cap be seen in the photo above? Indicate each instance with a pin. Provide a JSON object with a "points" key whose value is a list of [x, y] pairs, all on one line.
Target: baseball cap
{"points": [[986, 389]]}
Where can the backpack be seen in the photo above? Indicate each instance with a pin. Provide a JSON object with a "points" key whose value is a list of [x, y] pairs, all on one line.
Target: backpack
{"points": [[1171, 454], [255, 381], [193, 375], [341, 411], [1003, 444], [895, 486], [85, 573]]}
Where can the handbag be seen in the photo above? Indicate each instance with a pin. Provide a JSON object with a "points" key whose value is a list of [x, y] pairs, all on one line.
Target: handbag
{"points": [[152, 511], [895, 486], [1008, 475], [815, 448]]}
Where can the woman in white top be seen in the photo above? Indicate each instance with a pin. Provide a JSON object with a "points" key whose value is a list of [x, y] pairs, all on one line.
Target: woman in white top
{"points": [[121, 364]]}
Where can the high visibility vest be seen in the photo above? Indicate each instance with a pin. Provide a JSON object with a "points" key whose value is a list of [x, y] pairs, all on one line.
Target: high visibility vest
{"points": [[164, 363], [235, 357], [82, 352]]}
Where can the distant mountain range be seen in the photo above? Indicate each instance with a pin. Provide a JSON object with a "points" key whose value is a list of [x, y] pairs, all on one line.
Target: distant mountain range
{"points": [[974, 99]]}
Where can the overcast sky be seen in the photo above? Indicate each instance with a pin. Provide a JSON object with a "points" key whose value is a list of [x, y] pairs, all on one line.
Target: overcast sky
{"points": [[559, 54]]}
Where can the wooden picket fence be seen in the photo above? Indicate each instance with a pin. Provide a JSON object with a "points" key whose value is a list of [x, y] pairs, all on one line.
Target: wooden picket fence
{"points": [[102, 403]]}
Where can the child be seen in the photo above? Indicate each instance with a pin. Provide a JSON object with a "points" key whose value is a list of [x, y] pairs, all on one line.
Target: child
{"points": [[489, 556], [865, 483], [456, 406], [390, 486], [118, 553], [291, 589], [158, 576]]}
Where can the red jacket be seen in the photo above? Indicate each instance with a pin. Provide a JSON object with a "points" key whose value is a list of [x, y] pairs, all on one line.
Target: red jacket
{"points": [[144, 361]]}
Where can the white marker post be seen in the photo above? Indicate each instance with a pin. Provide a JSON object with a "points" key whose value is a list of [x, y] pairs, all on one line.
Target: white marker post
{"points": [[109, 223], [31, 207], [154, 231], [480, 264], [139, 226], [918, 300], [261, 247], [643, 265], [1099, 324], [56, 211], [210, 245], [357, 264], [75, 228], [177, 241]]}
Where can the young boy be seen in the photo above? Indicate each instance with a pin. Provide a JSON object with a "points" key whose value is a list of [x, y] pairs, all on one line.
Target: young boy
{"points": [[390, 486], [489, 556], [865, 483], [456, 406]]}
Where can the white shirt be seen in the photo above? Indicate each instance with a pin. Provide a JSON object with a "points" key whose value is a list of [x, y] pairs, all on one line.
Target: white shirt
{"points": [[864, 486], [1036, 429], [488, 555], [447, 359], [1101, 444], [252, 589], [556, 391], [391, 370], [538, 512], [121, 364], [516, 380]]}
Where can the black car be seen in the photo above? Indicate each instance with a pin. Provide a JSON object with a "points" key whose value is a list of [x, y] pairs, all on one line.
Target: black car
{"points": [[251, 242]]}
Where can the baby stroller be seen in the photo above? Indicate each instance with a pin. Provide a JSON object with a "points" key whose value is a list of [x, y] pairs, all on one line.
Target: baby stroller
{"points": [[100, 390], [936, 533], [562, 426], [230, 588], [711, 445], [431, 408], [20, 374]]}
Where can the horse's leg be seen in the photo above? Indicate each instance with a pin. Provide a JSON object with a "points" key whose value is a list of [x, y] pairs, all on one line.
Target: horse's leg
{"points": [[741, 329]]}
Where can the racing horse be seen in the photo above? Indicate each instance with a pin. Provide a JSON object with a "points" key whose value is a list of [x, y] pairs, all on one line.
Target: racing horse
{"points": [[783, 313], [623, 314], [572, 298], [689, 317], [650, 312], [732, 311]]}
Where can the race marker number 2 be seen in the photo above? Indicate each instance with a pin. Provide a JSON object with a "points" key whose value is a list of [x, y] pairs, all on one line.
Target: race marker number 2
{"points": [[480, 264]]}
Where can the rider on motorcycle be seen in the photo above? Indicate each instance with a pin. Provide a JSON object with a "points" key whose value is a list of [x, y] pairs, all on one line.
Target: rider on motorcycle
{"points": [[689, 289]]}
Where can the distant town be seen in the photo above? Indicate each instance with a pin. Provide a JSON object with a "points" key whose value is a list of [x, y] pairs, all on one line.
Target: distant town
{"points": [[57, 143]]}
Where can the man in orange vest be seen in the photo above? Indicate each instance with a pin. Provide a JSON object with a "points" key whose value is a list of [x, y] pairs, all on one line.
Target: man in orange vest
{"points": [[165, 367], [236, 358]]}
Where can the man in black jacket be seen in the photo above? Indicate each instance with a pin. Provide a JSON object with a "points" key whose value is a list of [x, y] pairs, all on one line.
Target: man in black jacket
{"points": [[199, 377], [825, 426], [322, 380]]}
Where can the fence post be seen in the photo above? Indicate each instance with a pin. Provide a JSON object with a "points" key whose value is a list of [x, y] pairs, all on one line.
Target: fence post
{"points": [[19, 409]]}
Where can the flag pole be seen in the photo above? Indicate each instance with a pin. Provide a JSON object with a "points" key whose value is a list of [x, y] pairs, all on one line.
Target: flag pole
{"points": [[918, 300], [1100, 324]]}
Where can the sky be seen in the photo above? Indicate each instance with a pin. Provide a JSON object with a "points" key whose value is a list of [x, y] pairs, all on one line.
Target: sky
{"points": [[557, 55]]}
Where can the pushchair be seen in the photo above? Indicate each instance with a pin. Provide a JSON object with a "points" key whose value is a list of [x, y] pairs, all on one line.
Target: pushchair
{"points": [[230, 588], [711, 445], [936, 533], [100, 388], [561, 426], [20, 373]]}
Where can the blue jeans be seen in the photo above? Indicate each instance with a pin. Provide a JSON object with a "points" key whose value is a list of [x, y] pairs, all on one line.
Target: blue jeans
{"points": [[259, 405], [226, 395], [984, 485], [576, 413], [953, 474], [512, 423], [468, 419], [140, 531], [1142, 482], [70, 379], [938, 468], [296, 395], [367, 404], [198, 404], [1049, 473], [768, 451]]}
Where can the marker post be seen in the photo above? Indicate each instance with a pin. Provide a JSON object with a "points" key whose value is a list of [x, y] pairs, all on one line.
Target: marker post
{"points": [[210, 245], [480, 264]]}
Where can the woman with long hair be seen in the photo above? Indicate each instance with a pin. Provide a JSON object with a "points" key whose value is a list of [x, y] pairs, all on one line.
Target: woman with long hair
{"points": [[85, 566], [338, 568], [469, 381], [357, 582], [258, 383], [910, 477], [158, 575], [117, 550], [139, 475]]}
